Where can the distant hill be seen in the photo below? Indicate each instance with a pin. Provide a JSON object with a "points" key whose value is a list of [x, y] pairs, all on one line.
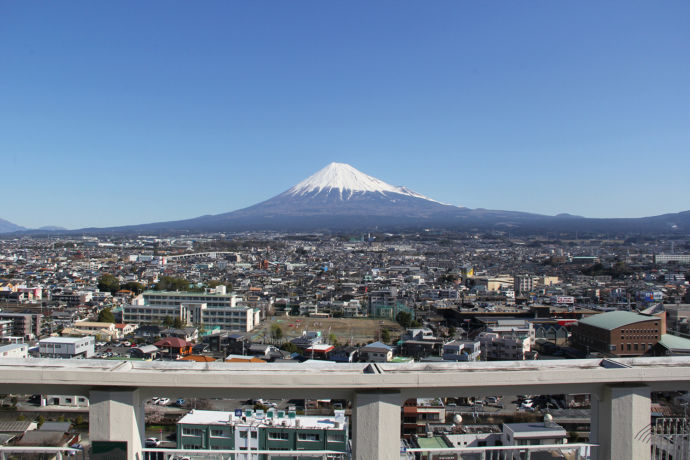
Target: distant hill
{"points": [[9, 227]]}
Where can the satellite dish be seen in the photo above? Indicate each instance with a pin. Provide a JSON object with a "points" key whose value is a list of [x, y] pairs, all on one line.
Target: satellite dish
{"points": [[457, 419]]}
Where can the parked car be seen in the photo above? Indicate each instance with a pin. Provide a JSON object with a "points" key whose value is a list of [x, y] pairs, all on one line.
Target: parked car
{"points": [[163, 401], [179, 402], [152, 442]]}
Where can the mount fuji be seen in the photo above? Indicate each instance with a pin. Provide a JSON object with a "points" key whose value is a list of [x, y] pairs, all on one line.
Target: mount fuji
{"points": [[341, 198], [336, 197]]}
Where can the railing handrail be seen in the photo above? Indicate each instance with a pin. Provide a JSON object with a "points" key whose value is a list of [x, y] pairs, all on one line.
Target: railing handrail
{"points": [[245, 452], [493, 448], [39, 449]]}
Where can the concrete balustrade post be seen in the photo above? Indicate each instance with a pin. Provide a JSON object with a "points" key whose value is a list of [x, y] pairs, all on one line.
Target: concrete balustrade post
{"points": [[118, 415], [621, 423], [376, 425]]}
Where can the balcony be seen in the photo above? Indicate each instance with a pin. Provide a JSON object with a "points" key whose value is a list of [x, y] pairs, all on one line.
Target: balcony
{"points": [[620, 392]]}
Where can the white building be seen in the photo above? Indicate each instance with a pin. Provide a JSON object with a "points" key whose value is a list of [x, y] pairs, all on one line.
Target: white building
{"points": [[207, 309], [508, 348], [666, 258], [67, 347], [14, 350], [536, 433], [524, 284], [65, 400]]}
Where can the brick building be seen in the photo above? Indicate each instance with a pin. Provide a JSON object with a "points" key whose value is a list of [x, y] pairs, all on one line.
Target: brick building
{"points": [[620, 333]]}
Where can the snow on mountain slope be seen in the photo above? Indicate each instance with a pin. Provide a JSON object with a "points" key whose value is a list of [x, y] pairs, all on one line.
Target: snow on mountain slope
{"points": [[347, 181]]}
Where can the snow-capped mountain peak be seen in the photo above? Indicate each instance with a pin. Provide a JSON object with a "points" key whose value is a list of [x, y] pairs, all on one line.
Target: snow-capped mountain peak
{"points": [[347, 181]]}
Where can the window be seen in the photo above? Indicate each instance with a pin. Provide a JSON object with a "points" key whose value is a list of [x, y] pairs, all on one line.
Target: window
{"points": [[335, 436], [255, 434], [191, 431], [278, 435], [308, 437], [243, 434], [218, 433]]}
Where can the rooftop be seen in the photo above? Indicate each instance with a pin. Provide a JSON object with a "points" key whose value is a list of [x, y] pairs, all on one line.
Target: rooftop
{"points": [[211, 417], [435, 442], [615, 319], [673, 342], [534, 430], [63, 339]]}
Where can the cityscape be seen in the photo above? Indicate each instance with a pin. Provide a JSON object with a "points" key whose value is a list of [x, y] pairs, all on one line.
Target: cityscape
{"points": [[272, 299], [346, 231]]}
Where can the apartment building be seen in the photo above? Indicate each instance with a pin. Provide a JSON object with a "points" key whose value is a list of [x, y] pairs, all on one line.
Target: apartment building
{"points": [[418, 415], [259, 430], [507, 348], [462, 350], [26, 325], [72, 298]]}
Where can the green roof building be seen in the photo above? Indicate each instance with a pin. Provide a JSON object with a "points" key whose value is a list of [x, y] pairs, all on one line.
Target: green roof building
{"points": [[620, 333]]}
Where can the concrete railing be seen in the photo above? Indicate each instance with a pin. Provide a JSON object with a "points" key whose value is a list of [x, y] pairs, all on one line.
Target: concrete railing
{"points": [[58, 453], [566, 451], [118, 390]]}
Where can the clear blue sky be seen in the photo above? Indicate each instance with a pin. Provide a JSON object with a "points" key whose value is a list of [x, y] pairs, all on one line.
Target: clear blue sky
{"points": [[115, 113]]}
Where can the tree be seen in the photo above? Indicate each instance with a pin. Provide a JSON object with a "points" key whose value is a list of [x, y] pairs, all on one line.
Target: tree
{"points": [[289, 347], [169, 283], [40, 420], [333, 339], [136, 288], [108, 283], [177, 323], [385, 336], [106, 316], [276, 331], [168, 321], [451, 331], [404, 319]]}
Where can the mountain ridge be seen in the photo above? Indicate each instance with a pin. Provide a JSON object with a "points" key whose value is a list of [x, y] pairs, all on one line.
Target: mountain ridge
{"points": [[340, 198]]}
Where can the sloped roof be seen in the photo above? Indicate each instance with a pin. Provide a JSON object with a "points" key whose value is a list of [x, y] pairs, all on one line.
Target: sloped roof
{"points": [[615, 319], [673, 342], [175, 342], [19, 426], [376, 345]]}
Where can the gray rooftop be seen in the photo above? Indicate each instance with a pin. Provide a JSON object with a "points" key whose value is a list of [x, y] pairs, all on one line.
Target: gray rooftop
{"points": [[673, 342]]}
